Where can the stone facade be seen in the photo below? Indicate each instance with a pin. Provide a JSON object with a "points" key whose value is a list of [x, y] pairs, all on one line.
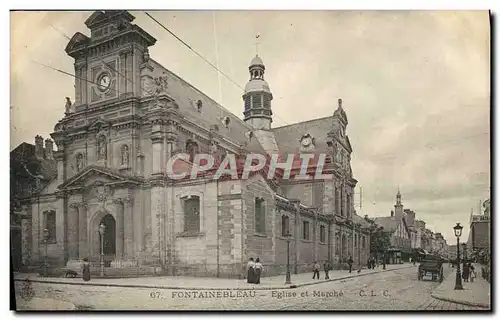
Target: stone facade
{"points": [[113, 144]]}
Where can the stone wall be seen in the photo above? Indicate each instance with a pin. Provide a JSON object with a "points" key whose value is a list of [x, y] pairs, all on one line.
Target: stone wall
{"points": [[259, 245]]}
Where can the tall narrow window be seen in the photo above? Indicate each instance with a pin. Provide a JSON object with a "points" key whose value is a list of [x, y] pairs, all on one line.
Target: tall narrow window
{"points": [[305, 230], [322, 234], [337, 245], [364, 242], [285, 225], [50, 224], [191, 149], [260, 216], [355, 241], [192, 214]]}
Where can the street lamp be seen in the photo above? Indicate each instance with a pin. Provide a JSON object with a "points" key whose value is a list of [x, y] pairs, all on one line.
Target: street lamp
{"points": [[288, 238], [102, 228], [359, 245], [458, 281], [45, 240]]}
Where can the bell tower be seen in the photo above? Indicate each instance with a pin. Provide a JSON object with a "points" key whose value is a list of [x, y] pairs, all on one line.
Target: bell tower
{"points": [[398, 207], [257, 97], [107, 64]]}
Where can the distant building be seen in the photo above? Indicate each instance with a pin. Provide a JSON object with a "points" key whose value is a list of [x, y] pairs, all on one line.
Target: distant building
{"points": [[400, 232], [452, 251], [479, 234]]}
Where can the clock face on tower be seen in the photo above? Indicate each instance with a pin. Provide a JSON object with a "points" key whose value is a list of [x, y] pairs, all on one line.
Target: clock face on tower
{"points": [[104, 82]]}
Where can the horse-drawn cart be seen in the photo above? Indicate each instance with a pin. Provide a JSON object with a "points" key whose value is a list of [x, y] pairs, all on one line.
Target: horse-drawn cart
{"points": [[431, 265]]}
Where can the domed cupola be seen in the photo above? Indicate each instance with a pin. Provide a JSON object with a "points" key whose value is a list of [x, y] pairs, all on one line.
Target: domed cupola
{"points": [[257, 97]]}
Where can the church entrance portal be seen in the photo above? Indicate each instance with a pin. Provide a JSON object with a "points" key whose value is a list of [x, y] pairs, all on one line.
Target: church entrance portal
{"points": [[109, 239]]}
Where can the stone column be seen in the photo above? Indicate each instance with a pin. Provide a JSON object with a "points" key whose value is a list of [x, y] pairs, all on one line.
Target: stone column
{"points": [[119, 228], [315, 224], [73, 237], [126, 70], [297, 235], [129, 228], [82, 232]]}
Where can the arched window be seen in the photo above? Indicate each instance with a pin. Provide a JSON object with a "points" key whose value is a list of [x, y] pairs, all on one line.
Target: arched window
{"points": [[260, 216], [322, 234], [50, 225], [285, 225], [192, 214], [191, 149]]}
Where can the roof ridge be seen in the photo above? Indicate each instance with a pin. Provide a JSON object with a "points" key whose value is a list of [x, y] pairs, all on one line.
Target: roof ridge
{"points": [[204, 94], [296, 123]]}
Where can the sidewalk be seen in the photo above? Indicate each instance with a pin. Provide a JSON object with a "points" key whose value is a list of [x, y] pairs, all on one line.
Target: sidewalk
{"points": [[475, 293], [198, 283], [39, 304]]}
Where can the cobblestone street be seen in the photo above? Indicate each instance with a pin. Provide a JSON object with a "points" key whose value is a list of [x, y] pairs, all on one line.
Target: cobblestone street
{"points": [[394, 290]]}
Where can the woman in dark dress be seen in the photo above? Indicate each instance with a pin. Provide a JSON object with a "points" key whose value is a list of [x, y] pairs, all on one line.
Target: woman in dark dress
{"points": [[86, 270], [258, 270], [250, 271], [465, 272]]}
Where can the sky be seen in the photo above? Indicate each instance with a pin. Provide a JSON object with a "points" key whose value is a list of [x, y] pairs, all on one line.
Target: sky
{"points": [[415, 87]]}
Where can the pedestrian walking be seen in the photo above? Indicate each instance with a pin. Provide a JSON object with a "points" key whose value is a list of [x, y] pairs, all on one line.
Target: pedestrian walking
{"points": [[350, 262], [86, 270], [250, 270], [465, 272], [316, 268], [472, 272], [258, 270], [327, 268]]}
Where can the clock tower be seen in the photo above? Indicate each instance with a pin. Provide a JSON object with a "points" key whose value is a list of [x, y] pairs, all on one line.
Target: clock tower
{"points": [[107, 64]]}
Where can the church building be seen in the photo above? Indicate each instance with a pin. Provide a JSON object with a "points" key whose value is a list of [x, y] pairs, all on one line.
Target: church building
{"points": [[109, 195]]}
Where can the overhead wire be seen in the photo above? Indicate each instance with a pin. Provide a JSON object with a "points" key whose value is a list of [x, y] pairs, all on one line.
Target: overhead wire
{"points": [[203, 58]]}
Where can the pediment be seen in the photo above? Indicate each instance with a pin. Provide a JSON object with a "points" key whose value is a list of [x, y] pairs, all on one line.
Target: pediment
{"points": [[78, 40], [96, 17], [101, 17], [98, 124], [93, 176]]}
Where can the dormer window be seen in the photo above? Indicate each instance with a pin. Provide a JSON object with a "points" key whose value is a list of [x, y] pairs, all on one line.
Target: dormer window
{"points": [[199, 105]]}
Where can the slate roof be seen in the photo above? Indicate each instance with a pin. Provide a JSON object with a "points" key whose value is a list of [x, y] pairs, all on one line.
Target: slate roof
{"points": [[25, 153], [388, 223], [288, 137], [358, 219]]}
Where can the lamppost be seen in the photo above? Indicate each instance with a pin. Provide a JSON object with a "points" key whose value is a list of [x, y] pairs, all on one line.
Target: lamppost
{"points": [[458, 281], [288, 238], [102, 228], [45, 240], [359, 244]]}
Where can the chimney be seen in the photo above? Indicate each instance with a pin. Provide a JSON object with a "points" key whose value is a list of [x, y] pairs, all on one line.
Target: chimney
{"points": [[49, 148], [39, 147]]}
